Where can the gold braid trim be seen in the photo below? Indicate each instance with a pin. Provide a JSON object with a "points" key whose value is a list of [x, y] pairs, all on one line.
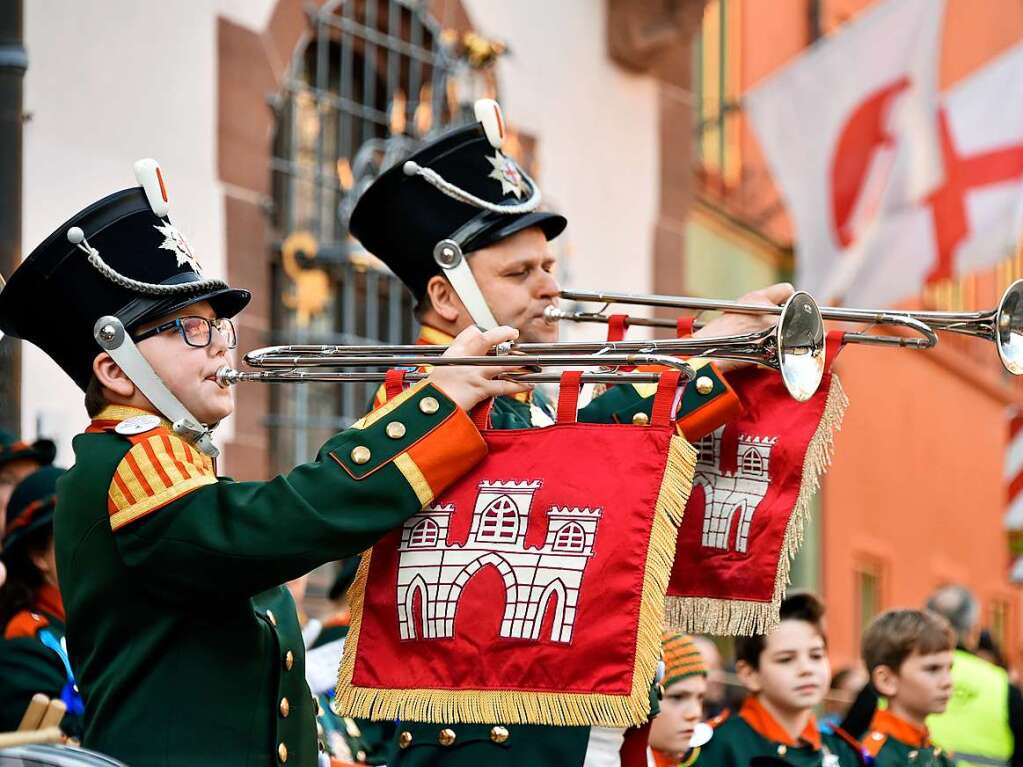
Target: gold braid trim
{"points": [[527, 706], [737, 617]]}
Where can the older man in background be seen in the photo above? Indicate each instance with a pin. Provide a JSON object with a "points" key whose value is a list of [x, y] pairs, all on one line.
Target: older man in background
{"points": [[983, 724]]}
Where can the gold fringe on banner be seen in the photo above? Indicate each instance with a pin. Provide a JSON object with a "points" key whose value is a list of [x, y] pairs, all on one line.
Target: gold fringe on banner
{"points": [[737, 617], [528, 706]]}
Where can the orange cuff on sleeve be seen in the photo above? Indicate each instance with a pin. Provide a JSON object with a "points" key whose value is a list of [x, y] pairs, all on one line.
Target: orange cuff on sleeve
{"points": [[445, 454], [718, 411]]}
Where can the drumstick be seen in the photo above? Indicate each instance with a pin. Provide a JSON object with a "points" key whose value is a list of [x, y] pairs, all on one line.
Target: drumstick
{"points": [[34, 713], [54, 713], [49, 735]]}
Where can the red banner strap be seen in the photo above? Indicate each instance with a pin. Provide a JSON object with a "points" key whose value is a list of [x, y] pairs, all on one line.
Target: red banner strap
{"points": [[752, 492], [617, 325], [568, 396], [394, 382], [532, 591], [684, 326], [663, 406], [481, 414]]}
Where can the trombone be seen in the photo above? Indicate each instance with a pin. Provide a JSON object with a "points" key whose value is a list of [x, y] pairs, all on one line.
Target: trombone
{"points": [[1002, 325], [794, 347], [927, 340]]}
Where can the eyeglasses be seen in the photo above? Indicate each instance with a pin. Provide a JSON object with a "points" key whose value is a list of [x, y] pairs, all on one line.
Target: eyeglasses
{"points": [[197, 331]]}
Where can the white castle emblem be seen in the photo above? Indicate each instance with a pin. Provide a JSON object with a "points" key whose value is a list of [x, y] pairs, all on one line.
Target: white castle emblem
{"points": [[535, 579], [731, 499]]}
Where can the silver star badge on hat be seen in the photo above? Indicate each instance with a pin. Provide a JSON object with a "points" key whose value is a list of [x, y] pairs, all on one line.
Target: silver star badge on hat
{"points": [[507, 172], [174, 241]]}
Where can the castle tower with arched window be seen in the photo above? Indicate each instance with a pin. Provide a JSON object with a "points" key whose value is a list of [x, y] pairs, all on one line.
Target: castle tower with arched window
{"points": [[731, 498], [432, 573]]}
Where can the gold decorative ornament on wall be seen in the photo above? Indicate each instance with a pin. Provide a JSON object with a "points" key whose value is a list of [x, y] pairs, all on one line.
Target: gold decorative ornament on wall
{"points": [[311, 290]]}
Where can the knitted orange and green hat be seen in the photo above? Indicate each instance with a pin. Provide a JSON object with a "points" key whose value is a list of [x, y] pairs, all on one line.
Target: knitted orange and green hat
{"points": [[681, 658]]}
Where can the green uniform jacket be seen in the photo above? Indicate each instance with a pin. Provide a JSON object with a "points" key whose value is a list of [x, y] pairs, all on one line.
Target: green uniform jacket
{"points": [[896, 743], [187, 650], [421, 744], [32, 661], [736, 742], [366, 741]]}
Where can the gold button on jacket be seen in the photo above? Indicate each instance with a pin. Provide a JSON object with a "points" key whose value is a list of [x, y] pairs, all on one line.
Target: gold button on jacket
{"points": [[704, 385], [446, 737], [405, 739], [271, 617], [282, 753], [640, 419], [361, 454], [395, 430], [429, 405], [498, 734], [285, 707]]}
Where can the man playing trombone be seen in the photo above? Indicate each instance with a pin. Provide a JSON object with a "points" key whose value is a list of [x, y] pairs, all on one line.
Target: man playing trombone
{"points": [[459, 223]]}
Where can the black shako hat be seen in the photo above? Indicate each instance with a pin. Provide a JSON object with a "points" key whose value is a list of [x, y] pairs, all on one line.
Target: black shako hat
{"points": [[402, 216], [31, 504], [42, 450], [55, 296], [343, 579]]}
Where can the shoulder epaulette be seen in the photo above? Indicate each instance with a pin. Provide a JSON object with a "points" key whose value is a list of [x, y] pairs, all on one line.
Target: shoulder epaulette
{"points": [[874, 741], [159, 468], [25, 624]]}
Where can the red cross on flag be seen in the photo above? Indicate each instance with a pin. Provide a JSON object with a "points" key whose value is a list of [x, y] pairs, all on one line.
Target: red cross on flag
{"points": [[890, 184]]}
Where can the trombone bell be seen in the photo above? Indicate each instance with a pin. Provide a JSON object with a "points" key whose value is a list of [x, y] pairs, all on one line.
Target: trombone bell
{"points": [[801, 348], [1009, 328]]}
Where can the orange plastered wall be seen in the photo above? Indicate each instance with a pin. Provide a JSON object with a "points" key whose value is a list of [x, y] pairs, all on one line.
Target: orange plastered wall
{"points": [[915, 492]]}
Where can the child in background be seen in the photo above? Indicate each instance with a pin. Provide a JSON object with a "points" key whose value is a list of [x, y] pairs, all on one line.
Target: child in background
{"points": [[909, 656], [685, 684], [786, 674]]}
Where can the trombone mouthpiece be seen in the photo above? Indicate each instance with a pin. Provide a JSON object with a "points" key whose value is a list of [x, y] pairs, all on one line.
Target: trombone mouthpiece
{"points": [[228, 376], [552, 314]]}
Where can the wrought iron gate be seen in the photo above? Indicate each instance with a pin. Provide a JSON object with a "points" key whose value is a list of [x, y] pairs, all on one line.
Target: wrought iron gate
{"points": [[371, 80]]}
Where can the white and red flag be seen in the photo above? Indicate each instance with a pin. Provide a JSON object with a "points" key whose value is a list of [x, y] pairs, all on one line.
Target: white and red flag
{"points": [[890, 184], [971, 219], [850, 132]]}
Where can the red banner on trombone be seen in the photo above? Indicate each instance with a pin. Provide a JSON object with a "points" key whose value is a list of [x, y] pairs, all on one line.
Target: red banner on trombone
{"points": [[532, 590], [754, 481]]}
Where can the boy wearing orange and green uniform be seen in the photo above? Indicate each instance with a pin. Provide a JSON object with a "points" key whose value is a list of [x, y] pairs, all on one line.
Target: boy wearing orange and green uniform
{"points": [[909, 656], [786, 674]]}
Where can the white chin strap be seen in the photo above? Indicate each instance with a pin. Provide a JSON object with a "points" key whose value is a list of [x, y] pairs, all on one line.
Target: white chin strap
{"points": [[114, 340], [448, 255]]}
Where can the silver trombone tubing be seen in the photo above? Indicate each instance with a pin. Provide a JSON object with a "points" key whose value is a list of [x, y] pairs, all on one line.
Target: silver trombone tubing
{"points": [[529, 363], [553, 314], [229, 376], [927, 340], [795, 348]]}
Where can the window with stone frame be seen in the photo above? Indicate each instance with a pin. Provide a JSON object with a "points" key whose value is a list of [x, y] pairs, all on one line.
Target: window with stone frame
{"points": [[368, 83]]}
